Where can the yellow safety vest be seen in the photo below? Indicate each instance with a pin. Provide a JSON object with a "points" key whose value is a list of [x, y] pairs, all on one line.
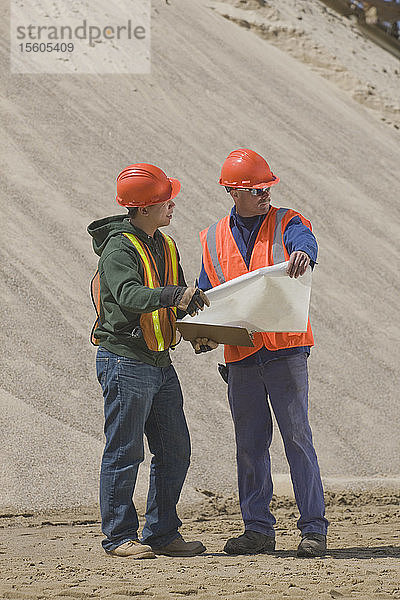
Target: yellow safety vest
{"points": [[158, 327]]}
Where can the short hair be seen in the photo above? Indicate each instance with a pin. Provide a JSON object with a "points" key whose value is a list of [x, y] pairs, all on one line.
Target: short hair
{"points": [[132, 212]]}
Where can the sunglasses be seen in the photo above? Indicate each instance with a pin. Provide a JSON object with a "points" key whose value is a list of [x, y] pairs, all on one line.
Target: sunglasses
{"points": [[253, 191]]}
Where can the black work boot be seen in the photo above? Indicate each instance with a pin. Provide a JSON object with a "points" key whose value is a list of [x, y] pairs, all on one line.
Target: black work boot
{"points": [[250, 542], [311, 545]]}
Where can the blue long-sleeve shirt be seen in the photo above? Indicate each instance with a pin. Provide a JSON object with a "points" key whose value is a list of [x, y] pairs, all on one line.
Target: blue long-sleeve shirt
{"points": [[295, 237]]}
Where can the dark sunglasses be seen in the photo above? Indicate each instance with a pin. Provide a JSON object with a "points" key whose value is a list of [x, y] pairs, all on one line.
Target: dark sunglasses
{"points": [[253, 191]]}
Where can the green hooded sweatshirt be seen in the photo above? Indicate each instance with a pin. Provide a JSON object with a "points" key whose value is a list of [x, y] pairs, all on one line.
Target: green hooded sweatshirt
{"points": [[123, 295]]}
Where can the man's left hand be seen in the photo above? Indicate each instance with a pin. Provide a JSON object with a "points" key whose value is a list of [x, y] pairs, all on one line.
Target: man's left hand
{"points": [[203, 345], [298, 263]]}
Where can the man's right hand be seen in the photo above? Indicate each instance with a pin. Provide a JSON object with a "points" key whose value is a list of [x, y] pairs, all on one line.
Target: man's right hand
{"points": [[188, 299], [192, 300], [298, 263]]}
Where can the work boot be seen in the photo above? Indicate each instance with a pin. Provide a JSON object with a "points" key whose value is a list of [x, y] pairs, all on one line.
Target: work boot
{"points": [[132, 549], [250, 542], [181, 548], [311, 545]]}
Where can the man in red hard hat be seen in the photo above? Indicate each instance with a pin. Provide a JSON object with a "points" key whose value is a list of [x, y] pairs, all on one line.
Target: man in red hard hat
{"points": [[141, 288], [273, 374]]}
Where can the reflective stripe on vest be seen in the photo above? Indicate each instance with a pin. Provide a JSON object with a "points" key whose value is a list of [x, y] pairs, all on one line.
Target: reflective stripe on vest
{"points": [[277, 246], [174, 260], [212, 248], [174, 257], [154, 314]]}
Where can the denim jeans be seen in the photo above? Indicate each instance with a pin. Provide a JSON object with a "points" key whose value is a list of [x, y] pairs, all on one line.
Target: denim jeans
{"points": [[141, 399], [285, 382]]}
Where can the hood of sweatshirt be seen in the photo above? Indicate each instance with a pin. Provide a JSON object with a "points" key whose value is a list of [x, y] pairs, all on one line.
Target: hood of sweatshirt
{"points": [[104, 229]]}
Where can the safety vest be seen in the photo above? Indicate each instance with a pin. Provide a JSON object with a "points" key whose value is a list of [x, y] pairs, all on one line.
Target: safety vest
{"points": [[158, 327], [223, 261]]}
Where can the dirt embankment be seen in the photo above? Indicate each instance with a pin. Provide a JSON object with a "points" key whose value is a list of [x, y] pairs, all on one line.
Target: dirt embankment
{"points": [[330, 44]]}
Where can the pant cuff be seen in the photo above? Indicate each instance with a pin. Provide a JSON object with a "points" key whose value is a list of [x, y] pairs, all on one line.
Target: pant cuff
{"points": [[108, 545], [314, 529], [260, 529]]}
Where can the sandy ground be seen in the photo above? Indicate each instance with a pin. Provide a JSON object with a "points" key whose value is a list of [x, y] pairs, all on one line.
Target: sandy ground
{"points": [[58, 555]]}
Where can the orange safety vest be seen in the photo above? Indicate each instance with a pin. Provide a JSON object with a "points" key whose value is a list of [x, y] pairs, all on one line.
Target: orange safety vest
{"points": [[223, 261], [158, 327]]}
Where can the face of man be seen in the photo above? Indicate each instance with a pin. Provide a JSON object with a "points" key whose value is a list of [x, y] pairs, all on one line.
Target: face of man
{"points": [[248, 205], [160, 215]]}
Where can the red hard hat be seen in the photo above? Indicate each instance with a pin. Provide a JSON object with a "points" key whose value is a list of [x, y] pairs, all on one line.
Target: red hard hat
{"points": [[143, 184], [245, 168]]}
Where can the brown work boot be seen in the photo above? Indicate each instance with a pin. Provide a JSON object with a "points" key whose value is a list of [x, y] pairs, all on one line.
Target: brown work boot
{"points": [[181, 548], [132, 549], [311, 545]]}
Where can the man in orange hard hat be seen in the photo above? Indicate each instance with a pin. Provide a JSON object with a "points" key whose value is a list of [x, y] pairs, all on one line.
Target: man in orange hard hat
{"points": [[274, 372], [142, 287]]}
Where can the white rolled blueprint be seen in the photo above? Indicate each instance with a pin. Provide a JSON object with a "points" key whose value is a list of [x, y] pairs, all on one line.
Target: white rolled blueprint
{"points": [[263, 300]]}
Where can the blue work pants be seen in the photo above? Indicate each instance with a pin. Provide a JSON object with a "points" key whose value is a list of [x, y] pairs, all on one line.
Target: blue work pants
{"points": [[141, 399], [284, 382]]}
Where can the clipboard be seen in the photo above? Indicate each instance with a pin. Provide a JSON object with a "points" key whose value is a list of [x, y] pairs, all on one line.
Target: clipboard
{"points": [[222, 334]]}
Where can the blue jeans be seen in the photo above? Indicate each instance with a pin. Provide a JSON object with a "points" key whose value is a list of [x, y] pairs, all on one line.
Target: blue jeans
{"points": [[141, 399], [285, 382]]}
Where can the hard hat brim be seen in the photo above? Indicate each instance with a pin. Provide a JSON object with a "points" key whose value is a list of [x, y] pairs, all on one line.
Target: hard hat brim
{"points": [[257, 186], [266, 184], [175, 189]]}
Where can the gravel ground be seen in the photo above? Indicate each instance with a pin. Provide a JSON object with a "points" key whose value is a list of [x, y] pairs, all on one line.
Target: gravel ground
{"points": [[58, 555]]}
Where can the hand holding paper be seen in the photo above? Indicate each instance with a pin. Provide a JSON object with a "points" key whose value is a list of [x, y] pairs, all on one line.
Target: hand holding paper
{"points": [[267, 299], [298, 263]]}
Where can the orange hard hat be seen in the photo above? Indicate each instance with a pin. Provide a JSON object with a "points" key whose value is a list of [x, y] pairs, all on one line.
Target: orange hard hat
{"points": [[245, 168], [142, 184]]}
